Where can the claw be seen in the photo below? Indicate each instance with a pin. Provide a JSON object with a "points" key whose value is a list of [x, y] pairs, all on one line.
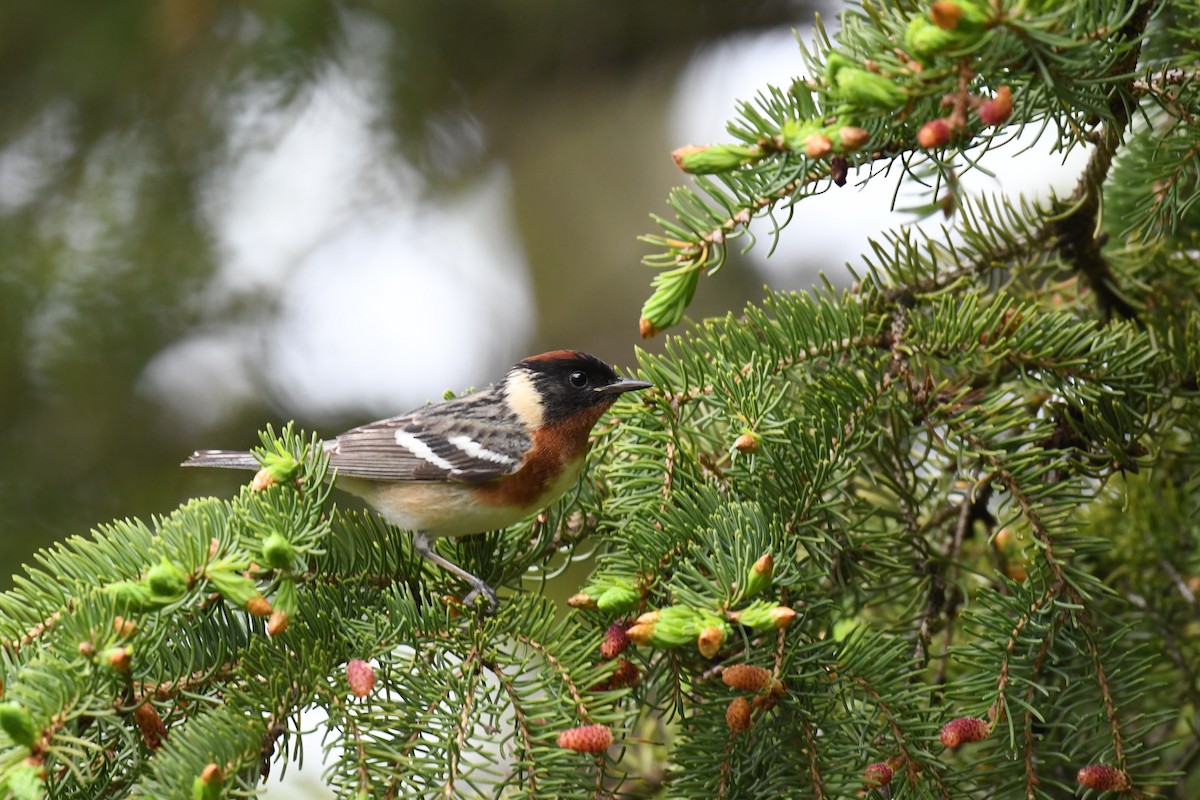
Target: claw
{"points": [[482, 590]]}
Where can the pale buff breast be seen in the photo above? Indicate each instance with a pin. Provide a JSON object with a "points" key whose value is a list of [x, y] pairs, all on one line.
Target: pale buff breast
{"points": [[425, 506]]}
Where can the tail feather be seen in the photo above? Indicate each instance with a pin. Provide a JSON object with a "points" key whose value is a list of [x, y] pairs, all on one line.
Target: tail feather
{"points": [[226, 459]]}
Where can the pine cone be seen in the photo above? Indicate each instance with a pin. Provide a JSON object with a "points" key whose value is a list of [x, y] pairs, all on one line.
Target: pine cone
{"points": [[997, 110], [765, 702], [615, 641], [361, 677], [737, 716], [963, 731], [746, 677], [151, 725], [586, 739], [878, 774], [1103, 778], [934, 133], [626, 674]]}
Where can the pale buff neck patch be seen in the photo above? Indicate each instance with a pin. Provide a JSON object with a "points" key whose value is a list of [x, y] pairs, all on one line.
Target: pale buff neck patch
{"points": [[523, 398]]}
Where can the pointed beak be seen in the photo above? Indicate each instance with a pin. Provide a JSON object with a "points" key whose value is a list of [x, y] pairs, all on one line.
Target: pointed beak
{"points": [[622, 386]]}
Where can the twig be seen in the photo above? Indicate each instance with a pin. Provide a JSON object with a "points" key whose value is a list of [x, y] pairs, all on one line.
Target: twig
{"points": [[464, 720], [996, 713], [1077, 229], [37, 630], [1031, 778], [813, 768], [1170, 77], [521, 720], [563, 674]]}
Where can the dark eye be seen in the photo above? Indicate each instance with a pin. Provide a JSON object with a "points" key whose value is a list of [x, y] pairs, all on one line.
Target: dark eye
{"points": [[578, 379]]}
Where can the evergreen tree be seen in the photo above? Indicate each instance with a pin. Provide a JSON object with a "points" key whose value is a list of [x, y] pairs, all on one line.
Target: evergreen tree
{"points": [[930, 536]]}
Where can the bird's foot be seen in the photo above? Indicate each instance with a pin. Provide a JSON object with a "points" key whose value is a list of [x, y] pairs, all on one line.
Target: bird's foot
{"points": [[480, 591]]}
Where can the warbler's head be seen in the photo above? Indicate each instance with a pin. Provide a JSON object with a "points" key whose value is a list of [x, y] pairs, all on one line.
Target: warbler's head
{"points": [[564, 384]]}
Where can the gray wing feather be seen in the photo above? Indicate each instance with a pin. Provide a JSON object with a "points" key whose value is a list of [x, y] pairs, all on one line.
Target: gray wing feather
{"points": [[467, 440]]}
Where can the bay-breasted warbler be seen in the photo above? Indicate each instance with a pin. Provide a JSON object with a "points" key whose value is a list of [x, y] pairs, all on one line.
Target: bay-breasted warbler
{"points": [[476, 463]]}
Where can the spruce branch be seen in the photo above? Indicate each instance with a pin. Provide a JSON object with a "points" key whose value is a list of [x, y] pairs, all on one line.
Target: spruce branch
{"points": [[788, 137]]}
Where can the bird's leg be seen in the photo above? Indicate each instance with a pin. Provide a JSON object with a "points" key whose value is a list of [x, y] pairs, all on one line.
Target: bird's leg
{"points": [[424, 546]]}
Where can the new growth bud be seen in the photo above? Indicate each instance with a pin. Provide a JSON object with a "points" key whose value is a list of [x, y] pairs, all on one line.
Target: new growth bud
{"points": [[209, 783], [282, 467], [851, 138], [924, 39], [18, 724], [945, 14], [675, 626], [758, 578], [120, 659], [130, 595], [710, 640], [818, 145], [581, 601], [748, 442], [277, 623], [619, 598], [782, 617], [26, 780], [235, 587], [278, 552], [700, 160], [641, 632], [262, 480], [960, 16], [258, 606], [763, 615], [166, 581], [860, 87], [950, 24]]}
